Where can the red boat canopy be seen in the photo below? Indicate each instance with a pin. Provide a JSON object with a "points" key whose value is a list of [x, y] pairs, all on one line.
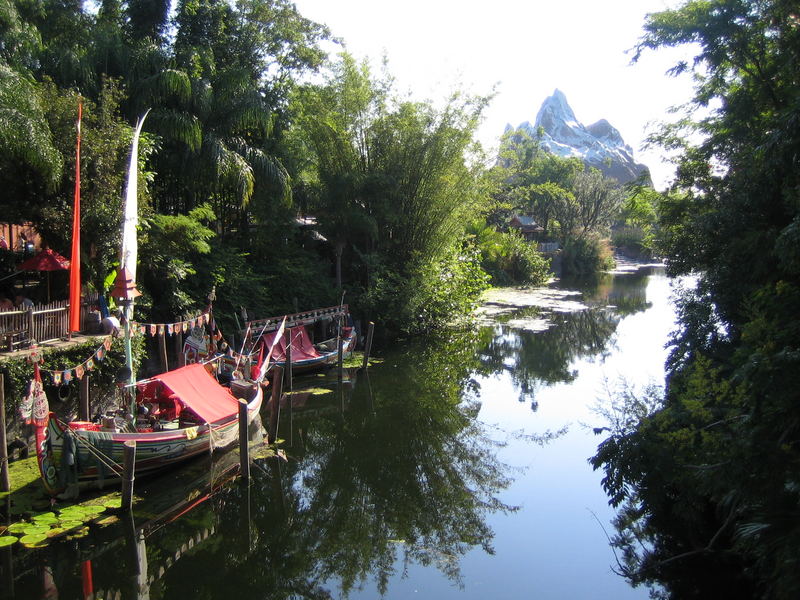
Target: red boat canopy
{"points": [[195, 388], [302, 348]]}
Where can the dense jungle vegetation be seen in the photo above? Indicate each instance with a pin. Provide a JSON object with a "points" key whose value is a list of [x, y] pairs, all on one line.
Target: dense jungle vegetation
{"points": [[706, 475], [253, 124]]}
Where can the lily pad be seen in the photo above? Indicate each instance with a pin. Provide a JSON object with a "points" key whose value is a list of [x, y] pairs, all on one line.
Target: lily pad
{"points": [[7, 540], [108, 520], [113, 503], [18, 527], [71, 524], [93, 510], [33, 529], [33, 540], [46, 517]]}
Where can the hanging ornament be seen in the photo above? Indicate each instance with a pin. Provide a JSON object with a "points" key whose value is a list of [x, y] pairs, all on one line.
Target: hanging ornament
{"points": [[34, 407]]}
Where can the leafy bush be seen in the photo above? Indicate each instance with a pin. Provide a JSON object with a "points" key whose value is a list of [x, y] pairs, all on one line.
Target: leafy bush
{"points": [[633, 242], [585, 255], [431, 295], [507, 257]]}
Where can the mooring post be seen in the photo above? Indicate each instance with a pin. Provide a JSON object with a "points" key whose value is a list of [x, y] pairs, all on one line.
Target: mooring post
{"points": [[275, 404], [368, 345], [84, 412], [5, 484], [180, 359], [339, 350], [128, 466], [162, 344], [244, 447]]}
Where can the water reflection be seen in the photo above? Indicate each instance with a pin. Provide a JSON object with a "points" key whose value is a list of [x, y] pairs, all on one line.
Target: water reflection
{"points": [[391, 472], [382, 474], [537, 359]]}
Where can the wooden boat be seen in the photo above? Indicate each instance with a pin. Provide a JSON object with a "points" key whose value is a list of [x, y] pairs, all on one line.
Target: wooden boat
{"points": [[182, 413], [306, 356]]}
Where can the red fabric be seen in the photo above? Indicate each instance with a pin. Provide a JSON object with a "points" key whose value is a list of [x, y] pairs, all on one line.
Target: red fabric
{"points": [[75, 262], [46, 260], [302, 348], [196, 389]]}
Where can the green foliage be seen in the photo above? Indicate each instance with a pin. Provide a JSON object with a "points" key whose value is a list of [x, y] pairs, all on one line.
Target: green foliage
{"points": [[25, 138], [507, 257], [170, 250], [18, 372], [430, 295], [586, 255], [707, 485]]}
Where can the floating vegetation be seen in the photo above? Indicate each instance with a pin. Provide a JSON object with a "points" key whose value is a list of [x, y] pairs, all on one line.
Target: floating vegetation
{"points": [[34, 540], [7, 540]]}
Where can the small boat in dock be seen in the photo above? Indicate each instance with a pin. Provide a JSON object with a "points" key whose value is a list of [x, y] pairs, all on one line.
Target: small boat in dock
{"points": [[306, 355], [181, 414]]}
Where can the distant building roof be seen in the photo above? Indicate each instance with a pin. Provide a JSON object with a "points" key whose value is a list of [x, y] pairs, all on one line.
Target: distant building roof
{"points": [[526, 224]]}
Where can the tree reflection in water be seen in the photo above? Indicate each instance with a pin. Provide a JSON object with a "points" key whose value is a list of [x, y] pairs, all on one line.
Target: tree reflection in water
{"points": [[537, 359], [401, 472]]}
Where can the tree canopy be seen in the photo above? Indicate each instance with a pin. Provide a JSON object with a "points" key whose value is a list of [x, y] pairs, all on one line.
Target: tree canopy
{"points": [[707, 483]]}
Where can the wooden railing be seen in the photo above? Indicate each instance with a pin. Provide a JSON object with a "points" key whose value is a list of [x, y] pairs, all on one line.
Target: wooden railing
{"points": [[302, 318], [46, 323]]}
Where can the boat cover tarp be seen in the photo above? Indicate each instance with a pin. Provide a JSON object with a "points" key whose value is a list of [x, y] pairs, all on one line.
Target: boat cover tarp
{"points": [[302, 348], [195, 388]]}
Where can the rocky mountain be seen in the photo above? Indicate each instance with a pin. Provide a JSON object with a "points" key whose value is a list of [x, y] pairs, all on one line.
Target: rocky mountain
{"points": [[599, 145]]}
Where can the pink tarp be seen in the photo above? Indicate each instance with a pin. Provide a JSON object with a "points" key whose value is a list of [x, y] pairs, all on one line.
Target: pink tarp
{"points": [[195, 388], [302, 348]]}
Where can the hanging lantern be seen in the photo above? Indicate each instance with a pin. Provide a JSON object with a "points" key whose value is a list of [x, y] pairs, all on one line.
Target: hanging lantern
{"points": [[124, 286]]}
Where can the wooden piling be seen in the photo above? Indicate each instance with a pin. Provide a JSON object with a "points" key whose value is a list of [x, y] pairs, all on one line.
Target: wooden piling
{"points": [[368, 345], [340, 349], [180, 359], [128, 466], [5, 484], [275, 404], [84, 412], [244, 447], [162, 344]]}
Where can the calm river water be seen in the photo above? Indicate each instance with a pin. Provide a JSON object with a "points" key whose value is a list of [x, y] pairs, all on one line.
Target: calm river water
{"points": [[455, 469]]}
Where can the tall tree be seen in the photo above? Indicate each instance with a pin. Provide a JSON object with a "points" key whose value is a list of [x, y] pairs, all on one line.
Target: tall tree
{"points": [[708, 482]]}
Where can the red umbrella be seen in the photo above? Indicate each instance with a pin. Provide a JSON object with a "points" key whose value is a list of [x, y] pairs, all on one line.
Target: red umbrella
{"points": [[47, 260]]}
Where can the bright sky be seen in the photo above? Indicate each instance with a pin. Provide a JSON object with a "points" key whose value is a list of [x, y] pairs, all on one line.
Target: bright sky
{"points": [[522, 48]]}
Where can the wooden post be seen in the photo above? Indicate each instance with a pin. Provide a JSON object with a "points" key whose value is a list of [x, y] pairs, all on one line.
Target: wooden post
{"points": [[244, 447], [31, 337], [128, 466], [180, 359], [83, 409], [5, 484], [275, 404], [289, 359], [368, 345], [162, 344], [340, 346]]}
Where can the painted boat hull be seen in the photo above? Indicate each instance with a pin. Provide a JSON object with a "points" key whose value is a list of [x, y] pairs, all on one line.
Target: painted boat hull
{"points": [[324, 361], [85, 457]]}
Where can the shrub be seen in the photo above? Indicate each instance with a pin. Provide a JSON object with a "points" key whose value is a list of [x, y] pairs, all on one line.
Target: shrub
{"points": [[586, 255]]}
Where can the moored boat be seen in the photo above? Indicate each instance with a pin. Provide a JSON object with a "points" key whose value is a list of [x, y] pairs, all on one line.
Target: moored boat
{"points": [[306, 355], [181, 414]]}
